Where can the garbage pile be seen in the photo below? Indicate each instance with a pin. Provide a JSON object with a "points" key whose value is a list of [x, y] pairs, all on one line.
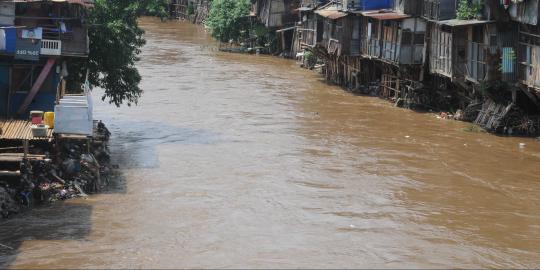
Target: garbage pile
{"points": [[75, 168], [7, 204]]}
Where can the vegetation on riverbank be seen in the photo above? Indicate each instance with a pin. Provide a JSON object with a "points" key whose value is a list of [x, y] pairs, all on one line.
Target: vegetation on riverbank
{"points": [[228, 19]]}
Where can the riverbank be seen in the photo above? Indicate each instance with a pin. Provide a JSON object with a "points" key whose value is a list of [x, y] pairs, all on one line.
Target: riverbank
{"points": [[494, 106], [36, 171]]}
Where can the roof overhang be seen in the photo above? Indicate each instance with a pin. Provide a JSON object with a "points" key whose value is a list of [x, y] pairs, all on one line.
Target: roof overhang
{"points": [[331, 13], [458, 22], [384, 14]]}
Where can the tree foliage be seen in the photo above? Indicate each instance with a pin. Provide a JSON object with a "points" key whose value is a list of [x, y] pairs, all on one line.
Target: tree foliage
{"points": [[228, 19], [158, 8], [115, 43], [467, 11]]}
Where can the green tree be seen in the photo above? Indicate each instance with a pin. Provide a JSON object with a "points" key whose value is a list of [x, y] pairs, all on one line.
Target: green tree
{"points": [[228, 19], [115, 43], [158, 8]]}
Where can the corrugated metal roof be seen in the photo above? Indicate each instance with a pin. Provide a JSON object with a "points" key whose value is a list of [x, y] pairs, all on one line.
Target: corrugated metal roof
{"points": [[331, 13], [19, 130], [384, 14], [458, 22]]}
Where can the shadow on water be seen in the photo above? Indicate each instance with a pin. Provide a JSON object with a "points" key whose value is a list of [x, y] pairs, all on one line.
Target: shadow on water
{"points": [[133, 146], [62, 221], [134, 142]]}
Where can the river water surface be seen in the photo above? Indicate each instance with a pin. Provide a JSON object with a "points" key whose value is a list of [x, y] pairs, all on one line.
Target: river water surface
{"points": [[234, 161]]}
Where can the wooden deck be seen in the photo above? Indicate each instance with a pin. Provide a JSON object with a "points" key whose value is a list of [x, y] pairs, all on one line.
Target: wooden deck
{"points": [[19, 130]]}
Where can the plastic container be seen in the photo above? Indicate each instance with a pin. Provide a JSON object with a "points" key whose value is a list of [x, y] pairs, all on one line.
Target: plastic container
{"points": [[36, 117], [48, 119], [39, 130]]}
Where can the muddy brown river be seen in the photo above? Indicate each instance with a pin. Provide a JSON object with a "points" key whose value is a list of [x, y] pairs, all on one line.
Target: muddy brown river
{"points": [[239, 161]]}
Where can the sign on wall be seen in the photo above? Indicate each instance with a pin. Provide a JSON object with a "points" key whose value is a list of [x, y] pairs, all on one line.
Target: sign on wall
{"points": [[28, 49], [32, 33]]}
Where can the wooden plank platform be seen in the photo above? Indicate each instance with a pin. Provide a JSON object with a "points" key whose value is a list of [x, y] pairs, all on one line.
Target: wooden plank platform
{"points": [[17, 157], [19, 130]]}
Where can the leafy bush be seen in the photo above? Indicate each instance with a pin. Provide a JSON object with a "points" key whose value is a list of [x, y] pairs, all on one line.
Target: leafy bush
{"points": [[311, 58], [158, 8], [227, 19], [468, 11]]}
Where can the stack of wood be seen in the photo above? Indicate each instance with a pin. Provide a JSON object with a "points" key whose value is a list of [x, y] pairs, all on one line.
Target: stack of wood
{"points": [[507, 119], [492, 114]]}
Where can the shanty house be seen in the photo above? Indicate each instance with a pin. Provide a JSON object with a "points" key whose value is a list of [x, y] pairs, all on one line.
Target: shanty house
{"points": [[343, 35], [37, 39], [276, 13], [341, 32], [394, 37], [470, 49], [529, 56], [309, 28], [526, 14]]}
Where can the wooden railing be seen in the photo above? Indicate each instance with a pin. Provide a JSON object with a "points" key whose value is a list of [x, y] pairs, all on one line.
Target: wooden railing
{"points": [[51, 47]]}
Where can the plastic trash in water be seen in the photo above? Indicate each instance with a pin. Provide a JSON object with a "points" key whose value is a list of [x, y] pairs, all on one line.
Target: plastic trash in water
{"points": [[522, 145]]}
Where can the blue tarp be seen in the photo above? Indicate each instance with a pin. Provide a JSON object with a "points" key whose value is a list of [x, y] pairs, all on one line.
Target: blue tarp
{"points": [[375, 4], [11, 38], [42, 102]]}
